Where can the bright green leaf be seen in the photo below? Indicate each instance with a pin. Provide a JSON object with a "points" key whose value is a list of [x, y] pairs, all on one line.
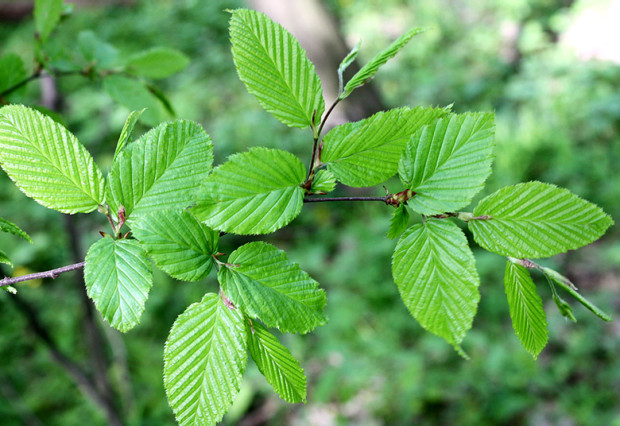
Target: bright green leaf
{"points": [[348, 60], [46, 16], [534, 219], [158, 62], [47, 162], [12, 71], [276, 363], [275, 69], [161, 170], [10, 227], [255, 192], [178, 243], [399, 222], [118, 279], [447, 162], [437, 279], [369, 70], [366, 153], [127, 132], [324, 182], [565, 309], [267, 286], [204, 360], [134, 95], [526, 309]]}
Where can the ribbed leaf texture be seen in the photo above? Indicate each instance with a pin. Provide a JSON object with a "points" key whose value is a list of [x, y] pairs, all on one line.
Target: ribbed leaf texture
{"points": [[369, 70], [437, 279], [276, 363], [255, 192], [118, 278], [267, 286], [162, 170], [204, 359], [366, 153], [447, 162], [526, 309], [127, 132], [323, 182], [534, 219], [399, 222], [275, 69], [158, 62], [47, 162], [11, 228], [178, 243]]}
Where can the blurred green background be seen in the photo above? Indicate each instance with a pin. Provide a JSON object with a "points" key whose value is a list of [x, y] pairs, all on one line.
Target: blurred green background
{"points": [[555, 88]]}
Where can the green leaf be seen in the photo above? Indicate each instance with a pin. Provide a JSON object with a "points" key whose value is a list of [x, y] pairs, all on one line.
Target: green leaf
{"points": [[436, 275], [526, 309], [565, 309], [534, 219], [5, 259], [10, 227], [275, 69], [98, 53], [255, 192], [204, 360], [276, 363], [568, 286], [161, 170], [267, 286], [158, 62], [399, 222], [178, 243], [324, 182], [47, 162], [118, 279], [127, 132], [12, 71], [366, 153], [134, 95], [46, 17], [348, 60], [447, 162], [369, 70]]}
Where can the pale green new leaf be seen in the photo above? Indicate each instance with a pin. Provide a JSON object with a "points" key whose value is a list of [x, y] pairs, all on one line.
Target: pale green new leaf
{"points": [[266, 285], [161, 170], [47, 162], [204, 360], [127, 132], [12, 71], [276, 363], [526, 309], [255, 192], [534, 219], [275, 69], [178, 243], [11, 228], [46, 16], [134, 95], [366, 153], [348, 60], [399, 222], [437, 279], [323, 182], [118, 279], [447, 162], [369, 70], [158, 62]]}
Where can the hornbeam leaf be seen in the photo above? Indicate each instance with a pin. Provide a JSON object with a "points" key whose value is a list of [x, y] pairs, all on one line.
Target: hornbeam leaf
{"points": [[369, 70], [399, 222], [127, 131], [266, 285], [435, 272], [47, 162], [447, 162], [178, 243], [158, 62], [534, 219], [135, 95], [204, 359], [366, 153], [255, 192], [118, 279], [46, 16], [348, 60], [276, 363], [10, 227], [323, 182], [275, 69], [526, 309], [161, 170]]}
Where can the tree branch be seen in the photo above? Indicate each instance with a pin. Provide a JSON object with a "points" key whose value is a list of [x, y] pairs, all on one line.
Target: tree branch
{"points": [[52, 273]]}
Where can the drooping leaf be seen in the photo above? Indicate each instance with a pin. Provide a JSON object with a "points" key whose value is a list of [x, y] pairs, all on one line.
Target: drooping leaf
{"points": [[366, 153], [158, 62], [348, 60], [204, 360], [12, 71], [447, 162], [46, 16], [275, 69], [47, 162], [534, 219], [323, 182], [369, 70], [10, 227], [526, 309], [399, 222], [5, 259], [127, 131], [161, 170], [437, 279], [118, 279], [276, 363], [267, 286], [178, 243], [565, 309], [255, 192], [134, 95], [97, 53]]}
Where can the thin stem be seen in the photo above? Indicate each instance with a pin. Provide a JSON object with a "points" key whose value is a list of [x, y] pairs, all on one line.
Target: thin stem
{"points": [[53, 274], [329, 111], [327, 199], [313, 158]]}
